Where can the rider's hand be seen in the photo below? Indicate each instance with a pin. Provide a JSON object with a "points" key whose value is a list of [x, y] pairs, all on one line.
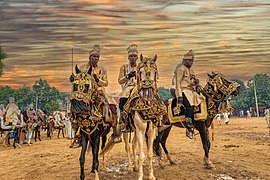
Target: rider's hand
{"points": [[72, 77], [180, 100], [196, 81], [131, 74], [96, 78]]}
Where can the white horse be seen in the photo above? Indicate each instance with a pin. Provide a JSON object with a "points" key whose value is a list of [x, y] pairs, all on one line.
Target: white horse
{"points": [[147, 110]]}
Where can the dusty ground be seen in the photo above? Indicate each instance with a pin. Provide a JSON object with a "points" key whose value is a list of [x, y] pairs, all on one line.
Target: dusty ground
{"points": [[240, 150]]}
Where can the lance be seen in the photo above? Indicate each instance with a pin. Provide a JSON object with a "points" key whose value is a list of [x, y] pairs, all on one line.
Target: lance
{"points": [[72, 60]]}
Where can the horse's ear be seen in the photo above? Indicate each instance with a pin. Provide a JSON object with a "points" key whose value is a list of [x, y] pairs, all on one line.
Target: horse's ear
{"points": [[141, 57], [155, 58], [77, 69], [90, 70], [210, 76]]}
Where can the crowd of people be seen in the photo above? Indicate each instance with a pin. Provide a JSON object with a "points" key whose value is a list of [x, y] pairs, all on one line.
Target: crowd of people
{"points": [[28, 125]]}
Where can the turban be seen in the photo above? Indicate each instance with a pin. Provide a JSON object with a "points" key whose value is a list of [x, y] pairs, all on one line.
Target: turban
{"points": [[11, 100], [189, 55], [132, 49], [95, 50]]}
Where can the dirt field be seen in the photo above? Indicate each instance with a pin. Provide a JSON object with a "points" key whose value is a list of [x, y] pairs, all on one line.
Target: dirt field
{"points": [[240, 150]]}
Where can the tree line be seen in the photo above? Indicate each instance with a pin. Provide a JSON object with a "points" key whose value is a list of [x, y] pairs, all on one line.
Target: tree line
{"points": [[41, 95]]}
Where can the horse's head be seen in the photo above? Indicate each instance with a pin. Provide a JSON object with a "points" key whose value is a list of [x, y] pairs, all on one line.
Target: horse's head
{"points": [[147, 75], [221, 87], [84, 86]]}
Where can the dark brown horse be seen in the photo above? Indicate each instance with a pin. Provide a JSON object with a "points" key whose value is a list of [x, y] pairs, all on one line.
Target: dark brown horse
{"points": [[215, 92], [87, 107]]}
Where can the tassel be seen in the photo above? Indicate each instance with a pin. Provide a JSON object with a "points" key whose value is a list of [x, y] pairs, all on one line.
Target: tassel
{"points": [[78, 132]]}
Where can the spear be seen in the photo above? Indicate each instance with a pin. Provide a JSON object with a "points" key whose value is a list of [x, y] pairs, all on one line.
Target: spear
{"points": [[72, 60]]}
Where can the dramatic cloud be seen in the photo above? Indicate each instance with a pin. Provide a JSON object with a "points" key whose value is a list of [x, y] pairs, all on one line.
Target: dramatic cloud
{"points": [[231, 37]]}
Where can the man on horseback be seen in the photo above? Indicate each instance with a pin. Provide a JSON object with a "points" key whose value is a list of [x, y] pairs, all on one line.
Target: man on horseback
{"points": [[185, 83], [100, 75], [127, 80], [12, 115]]}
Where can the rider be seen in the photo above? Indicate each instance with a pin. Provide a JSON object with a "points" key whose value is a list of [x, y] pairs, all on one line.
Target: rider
{"points": [[100, 75], [185, 83], [127, 80], [12, 112], [12, 115]]}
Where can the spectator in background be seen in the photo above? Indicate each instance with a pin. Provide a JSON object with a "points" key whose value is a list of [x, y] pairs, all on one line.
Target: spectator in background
{"points": [[267, 116], [248, 114]]}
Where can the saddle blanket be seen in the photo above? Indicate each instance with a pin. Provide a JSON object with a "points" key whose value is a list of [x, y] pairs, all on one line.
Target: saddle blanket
{"points": [[176, 112]]}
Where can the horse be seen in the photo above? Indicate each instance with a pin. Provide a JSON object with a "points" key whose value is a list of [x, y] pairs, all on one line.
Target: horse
{"points": [[88, 110], [215, 93], [38, 124], [11, 130], [146, 109]]}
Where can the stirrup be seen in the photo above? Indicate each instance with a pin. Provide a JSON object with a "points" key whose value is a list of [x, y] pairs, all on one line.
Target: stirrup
{"points": [[189, 123], [189, 133], [126, 129]]}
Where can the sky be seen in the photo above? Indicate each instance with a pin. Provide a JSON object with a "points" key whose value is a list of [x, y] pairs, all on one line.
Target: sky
{"points": [[231, 37]]}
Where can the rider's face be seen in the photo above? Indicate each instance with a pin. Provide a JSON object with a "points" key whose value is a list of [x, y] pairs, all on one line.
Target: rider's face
{"points": [[93, 59], [133, 58], [189, 63]]}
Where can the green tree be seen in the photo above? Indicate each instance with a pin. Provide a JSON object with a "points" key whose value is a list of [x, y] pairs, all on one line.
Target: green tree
{"points": [[46, 97], [5, 93], [247, 98], [24, 96], [164, 93], [262, 84], [52, 105], [3, 56]]}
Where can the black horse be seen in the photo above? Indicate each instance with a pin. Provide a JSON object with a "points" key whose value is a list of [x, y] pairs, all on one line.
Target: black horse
{"points": [[215, 91], [87, 109]]}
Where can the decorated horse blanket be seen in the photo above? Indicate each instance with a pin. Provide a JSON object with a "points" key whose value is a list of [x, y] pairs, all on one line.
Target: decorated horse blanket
{"points": [[176, 112]]}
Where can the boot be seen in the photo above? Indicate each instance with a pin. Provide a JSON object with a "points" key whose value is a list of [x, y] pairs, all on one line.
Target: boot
{"points": [[189, 128]]}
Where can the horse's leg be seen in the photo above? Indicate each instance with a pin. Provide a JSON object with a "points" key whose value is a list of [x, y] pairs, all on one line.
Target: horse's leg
{"points": [[103, 142], [163, 144], [18, 137], [140, 132], [63, 132], [58, 132], [127, 148], [95, 142], [39, 136], [35, 134], [205, 142], [82, 157], [151, 136], [134, 145]]}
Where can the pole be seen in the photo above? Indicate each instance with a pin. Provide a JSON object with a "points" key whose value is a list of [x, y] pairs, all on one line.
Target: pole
{"points": [[72, 61], [256, 101]]}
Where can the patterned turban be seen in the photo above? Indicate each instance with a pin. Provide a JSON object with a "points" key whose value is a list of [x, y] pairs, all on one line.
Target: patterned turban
{"points": [[189, 55], [132, 49], [95, 50]]}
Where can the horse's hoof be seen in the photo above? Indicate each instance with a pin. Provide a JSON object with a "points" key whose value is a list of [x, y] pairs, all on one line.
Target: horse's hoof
{"points": [[136, 169], [172, 163], [152, 177]]}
